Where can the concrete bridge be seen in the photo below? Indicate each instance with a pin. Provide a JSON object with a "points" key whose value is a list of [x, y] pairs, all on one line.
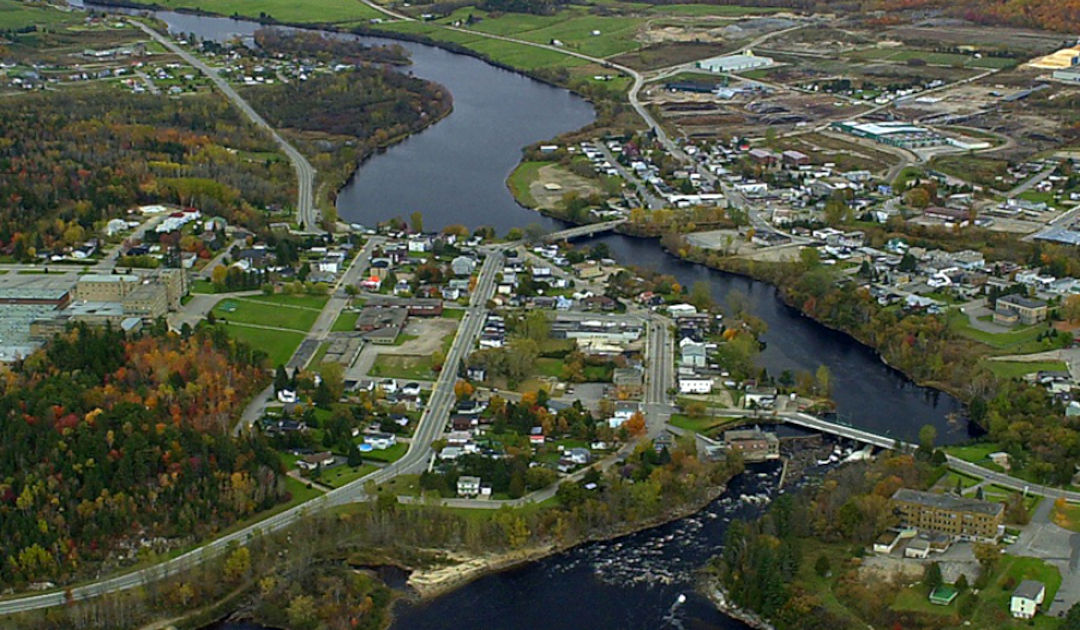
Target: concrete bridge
{"points": [[580, 231]]}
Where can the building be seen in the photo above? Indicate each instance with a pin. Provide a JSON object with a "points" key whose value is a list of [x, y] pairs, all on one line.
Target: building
{"points": [[949, 514], [795, 158], [1072, 74], [754, 444], [315, 460], [417, 307], [695, 385], [734, 63], [380, 441], [760, 397], [1011, 309], [1026, 599], [468, 486], [897, 134]]}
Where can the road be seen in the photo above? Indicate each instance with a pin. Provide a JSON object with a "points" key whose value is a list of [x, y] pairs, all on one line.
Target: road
{"points": [[651, 200], [306, 214], [659, 373]]}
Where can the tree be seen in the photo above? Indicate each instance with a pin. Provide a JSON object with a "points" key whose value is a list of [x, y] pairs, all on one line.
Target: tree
{"points": [[533, 233], [824, 379], [932, 577], [701, 295], [1072, 619], [302, 612], [927, 436], [281, 378], [907, 263], [417, 221], [237, 565], [962, 584], [635, 425], [333, 376], [821, 565]]}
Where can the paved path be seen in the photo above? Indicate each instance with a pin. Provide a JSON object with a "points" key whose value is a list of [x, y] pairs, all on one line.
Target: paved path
{"points": [[306, 214]]}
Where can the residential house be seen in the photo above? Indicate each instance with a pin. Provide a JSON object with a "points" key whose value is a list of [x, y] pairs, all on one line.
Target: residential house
{"points": [[380, 441], [692, 353], [760, 397], [1026, 599], [468, 486], [463, 265], [315, 460], [695, 385]]}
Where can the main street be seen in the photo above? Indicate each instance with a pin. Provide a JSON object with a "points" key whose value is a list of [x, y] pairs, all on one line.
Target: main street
{"points": [[306, 214]]}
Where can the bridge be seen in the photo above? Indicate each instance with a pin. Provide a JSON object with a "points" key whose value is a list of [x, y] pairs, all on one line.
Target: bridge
{"points": [[580, 231], [841, 430]]}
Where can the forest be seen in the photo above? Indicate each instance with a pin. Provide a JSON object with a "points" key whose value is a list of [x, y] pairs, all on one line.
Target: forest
{"points": [[326, 48], [112, 444], [73, 158], [339, 120]]}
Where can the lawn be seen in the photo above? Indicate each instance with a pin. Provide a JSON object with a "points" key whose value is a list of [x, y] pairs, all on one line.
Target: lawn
{"points": [[313, 302], [321, 12], [548, 367], [279, 345], [250, 311], [975, 453], [993, 608], [1015, 369], [340, 475], [391, 454], [704, 426], [917, 599], [454, 313], [15, 15], [1066, 515], [345, 322], [406, 366], [524, 175], [949, 480], [1021, 340]]}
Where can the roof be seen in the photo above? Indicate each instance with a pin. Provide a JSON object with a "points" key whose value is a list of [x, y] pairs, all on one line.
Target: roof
{"points": [[1029, 589], [947, 501], [1019, 300]]}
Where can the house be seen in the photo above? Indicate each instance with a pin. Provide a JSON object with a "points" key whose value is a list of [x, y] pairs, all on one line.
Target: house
{"points": [[463, 265], [115, 226], [468, 486], [695, 385], [623, 411], [380, 441], [410, 389], [579, 456], [692, 353], [760, 397], [795, 158], [286, 396], [316, 460], [588, 269], [1026, 599]]}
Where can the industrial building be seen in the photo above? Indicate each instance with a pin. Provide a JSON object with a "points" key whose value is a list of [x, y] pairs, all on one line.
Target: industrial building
{"points": [[734, 63], [1070, 74], [949, 514], [897, 134]]}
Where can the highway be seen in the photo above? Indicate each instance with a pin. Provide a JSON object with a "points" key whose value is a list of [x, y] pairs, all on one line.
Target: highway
{"points": [[306, 215]]}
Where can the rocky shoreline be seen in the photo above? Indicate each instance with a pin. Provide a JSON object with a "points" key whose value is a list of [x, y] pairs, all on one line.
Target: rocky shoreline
{"points": [[719, 598]]}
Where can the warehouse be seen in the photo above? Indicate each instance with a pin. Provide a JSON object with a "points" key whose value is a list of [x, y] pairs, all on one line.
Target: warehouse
{"points": [[897, 134], [734, 63]]}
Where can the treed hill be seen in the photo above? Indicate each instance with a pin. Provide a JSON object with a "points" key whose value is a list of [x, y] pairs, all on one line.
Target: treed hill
{"points": [[107, 444]]}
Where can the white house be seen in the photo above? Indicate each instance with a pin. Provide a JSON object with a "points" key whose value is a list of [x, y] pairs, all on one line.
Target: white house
{"points": [[115, 226], [1026, 599], [286, 396], [463, 265], [623, 411], [468, 486], [682, 310], [380, 441], [692, 353], [695, 385], [311, 462]]}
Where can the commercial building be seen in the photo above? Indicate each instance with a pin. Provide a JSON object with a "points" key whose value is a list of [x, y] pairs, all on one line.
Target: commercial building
{"points": [[754, 444], [1070, 74], [897, 134], [949, 514], [734, 63], [1013, 309]]}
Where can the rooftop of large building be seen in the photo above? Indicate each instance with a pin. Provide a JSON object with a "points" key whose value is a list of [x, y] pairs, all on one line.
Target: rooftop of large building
{"points": [[947, 502]]}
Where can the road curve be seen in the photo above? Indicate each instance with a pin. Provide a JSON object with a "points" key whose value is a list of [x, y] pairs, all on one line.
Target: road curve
{"points": [[306, 214]]}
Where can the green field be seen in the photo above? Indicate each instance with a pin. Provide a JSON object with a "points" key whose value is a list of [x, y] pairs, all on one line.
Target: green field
{"points": [[391, 454], [345, 322], [405, 366], [525, 174], [977, 170], [993, 609], [903, 55], [243, 311], [718, 10], [321, 12], [949, 480], [16, 15], [279, 345], [976, 453], [314, 302], [1021, 340], [341, 475], [1014, 369]]}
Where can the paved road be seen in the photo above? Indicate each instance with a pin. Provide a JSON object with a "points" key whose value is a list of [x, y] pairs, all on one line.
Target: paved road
{"points": [[307, 215], [651, 200]]}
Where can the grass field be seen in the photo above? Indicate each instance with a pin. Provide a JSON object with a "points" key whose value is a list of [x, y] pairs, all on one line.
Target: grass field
{"points": [[341, 475], [904, 55], [993, 608], [405, 366], [1018, 341], [279, 345], [15, 15], [391, 454], [977, 170], [1014, 369], [524, 175], [250, 311], [345, 322], [705, 10], [314, 302], [976, 453], [321, 12], [704, 426], [949, 480]]}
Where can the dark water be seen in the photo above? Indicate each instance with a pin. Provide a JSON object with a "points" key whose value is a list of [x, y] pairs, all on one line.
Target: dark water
{"points": [[455, 172]]}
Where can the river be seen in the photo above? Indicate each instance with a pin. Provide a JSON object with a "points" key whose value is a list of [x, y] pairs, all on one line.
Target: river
{"points": [[454, 172]]}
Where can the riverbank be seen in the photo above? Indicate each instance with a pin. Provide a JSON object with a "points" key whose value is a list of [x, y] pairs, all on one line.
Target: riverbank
{"points": [[716, 595], [434, 582]]}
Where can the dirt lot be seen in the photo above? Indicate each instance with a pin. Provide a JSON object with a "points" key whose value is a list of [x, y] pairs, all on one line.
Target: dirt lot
{"points": [[669, 53], [548, 177], [846, 154]]}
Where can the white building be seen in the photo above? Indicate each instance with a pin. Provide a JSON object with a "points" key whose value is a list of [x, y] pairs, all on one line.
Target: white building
{"points": [[468, 486], [695, 385], [1026, 599], [734, 63]]}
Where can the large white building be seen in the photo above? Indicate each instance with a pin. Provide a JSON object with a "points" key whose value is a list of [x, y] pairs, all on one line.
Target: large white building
{"points": [[734, 63]]}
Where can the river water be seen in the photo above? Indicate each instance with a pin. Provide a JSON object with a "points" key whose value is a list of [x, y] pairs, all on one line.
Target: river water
{"points": [[454, 172]]}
